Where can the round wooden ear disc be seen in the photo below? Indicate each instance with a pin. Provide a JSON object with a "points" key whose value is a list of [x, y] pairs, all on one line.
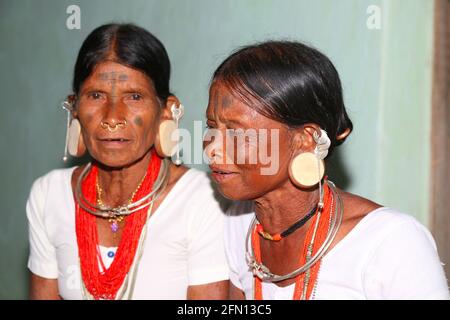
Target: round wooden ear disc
{"points": [[306, 170], [168, 137]]}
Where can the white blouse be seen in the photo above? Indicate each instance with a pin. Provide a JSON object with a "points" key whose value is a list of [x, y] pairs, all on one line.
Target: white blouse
{"points": [[184, 244], [387, 255]]}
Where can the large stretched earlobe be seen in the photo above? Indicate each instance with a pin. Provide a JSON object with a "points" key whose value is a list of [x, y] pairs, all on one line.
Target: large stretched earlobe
{"points": [[164, 144], [157, 145], [81, 146], [75, 143], [163, 128], [168, 137], [306, 170]]}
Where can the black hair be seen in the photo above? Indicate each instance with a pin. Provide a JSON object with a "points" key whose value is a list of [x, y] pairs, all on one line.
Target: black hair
{"points": [[292, 83], [129, 45]]}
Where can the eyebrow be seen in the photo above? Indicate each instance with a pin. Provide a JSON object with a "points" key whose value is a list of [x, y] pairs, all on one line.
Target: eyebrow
{"points": [[234, 121], [210, 117], [92, 88], [140, 89], [127, 89]]}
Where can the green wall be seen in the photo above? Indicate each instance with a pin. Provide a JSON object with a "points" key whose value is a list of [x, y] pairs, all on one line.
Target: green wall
{"points": [[386, 76]]}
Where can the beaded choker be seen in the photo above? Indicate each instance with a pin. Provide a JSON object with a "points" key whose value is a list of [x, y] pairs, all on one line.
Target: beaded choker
{"points": [[288, 231]]}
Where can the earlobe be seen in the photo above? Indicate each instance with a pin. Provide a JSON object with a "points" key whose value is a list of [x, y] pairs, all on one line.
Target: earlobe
{"points": [[74, 141], [168, 137], [81, 150], [73, 137], [307, 168], [164, 144]]}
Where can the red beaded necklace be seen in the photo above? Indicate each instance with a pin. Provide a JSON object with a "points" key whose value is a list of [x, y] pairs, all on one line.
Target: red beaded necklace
{"points": [[306, 280], [104, 283]]}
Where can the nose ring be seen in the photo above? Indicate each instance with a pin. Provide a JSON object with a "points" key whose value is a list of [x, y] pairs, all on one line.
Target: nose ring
{"points": [[107, 126]]}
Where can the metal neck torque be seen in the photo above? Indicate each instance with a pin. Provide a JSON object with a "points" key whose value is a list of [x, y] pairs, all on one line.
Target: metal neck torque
{"points": [[264, 273], [124, 210]]}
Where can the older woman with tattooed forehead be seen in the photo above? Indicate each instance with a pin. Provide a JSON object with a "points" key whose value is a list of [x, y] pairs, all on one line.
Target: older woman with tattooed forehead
{"points": [[130, 224], [292, 234]]}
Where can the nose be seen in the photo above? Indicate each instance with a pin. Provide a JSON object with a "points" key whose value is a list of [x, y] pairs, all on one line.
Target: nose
{"points": [[115, 114], [213, 147]]}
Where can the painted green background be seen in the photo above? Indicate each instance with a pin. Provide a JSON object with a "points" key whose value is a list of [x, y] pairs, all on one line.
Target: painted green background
{"points": [[386, 76]]}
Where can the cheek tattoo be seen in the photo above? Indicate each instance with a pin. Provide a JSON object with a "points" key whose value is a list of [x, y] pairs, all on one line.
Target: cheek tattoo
{"points": [[138, 121], [226, 101]]}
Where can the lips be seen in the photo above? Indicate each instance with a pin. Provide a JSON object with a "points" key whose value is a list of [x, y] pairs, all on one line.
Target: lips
{"points": [[114, 139], [114, 142], [221, 174]]}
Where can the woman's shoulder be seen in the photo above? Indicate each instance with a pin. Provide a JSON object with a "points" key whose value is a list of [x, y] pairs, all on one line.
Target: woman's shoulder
{"points": [[387, 229], [401, 252], [195, 180], [371, 220], [49, 193], [195, 174], [387, 219], [53, 177], [194, 186]]}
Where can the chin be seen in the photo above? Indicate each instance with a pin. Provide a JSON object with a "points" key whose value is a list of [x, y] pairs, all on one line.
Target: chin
{"points": [[114, 161], [117, 158], [234, 194], [113, 164]]}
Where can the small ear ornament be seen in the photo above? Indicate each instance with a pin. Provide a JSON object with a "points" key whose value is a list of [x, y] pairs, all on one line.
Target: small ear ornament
{"points": [[307, 169], [169, 135], [323, 143], [74, 142]]}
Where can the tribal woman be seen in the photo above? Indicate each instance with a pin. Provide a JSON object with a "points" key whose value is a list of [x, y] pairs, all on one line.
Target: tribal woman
{"points": [[292, 234], [130, 224]]}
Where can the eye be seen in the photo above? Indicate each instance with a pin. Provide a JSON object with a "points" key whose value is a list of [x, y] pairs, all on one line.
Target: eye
{"points": [[94, 95], [136, 96]]}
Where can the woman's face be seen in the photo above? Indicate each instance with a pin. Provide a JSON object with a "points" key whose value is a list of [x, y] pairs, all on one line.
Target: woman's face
{"points": [[249, 153], [118, 110]]}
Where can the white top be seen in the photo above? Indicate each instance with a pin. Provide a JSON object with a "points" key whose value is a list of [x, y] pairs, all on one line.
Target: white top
{"points": [[387, 255], [184, 244]]}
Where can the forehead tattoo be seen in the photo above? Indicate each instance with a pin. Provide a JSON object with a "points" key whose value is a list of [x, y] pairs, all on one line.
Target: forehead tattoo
{"points": [[112, 78]]}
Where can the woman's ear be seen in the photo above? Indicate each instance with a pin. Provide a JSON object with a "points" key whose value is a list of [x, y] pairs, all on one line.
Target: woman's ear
{"points": [[166, 113], [166, 144], [70, 104], [303, 138]]}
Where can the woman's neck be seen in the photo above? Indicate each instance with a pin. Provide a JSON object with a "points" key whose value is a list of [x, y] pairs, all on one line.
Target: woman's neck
{"points": [[119, 184], [281, 208]]}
